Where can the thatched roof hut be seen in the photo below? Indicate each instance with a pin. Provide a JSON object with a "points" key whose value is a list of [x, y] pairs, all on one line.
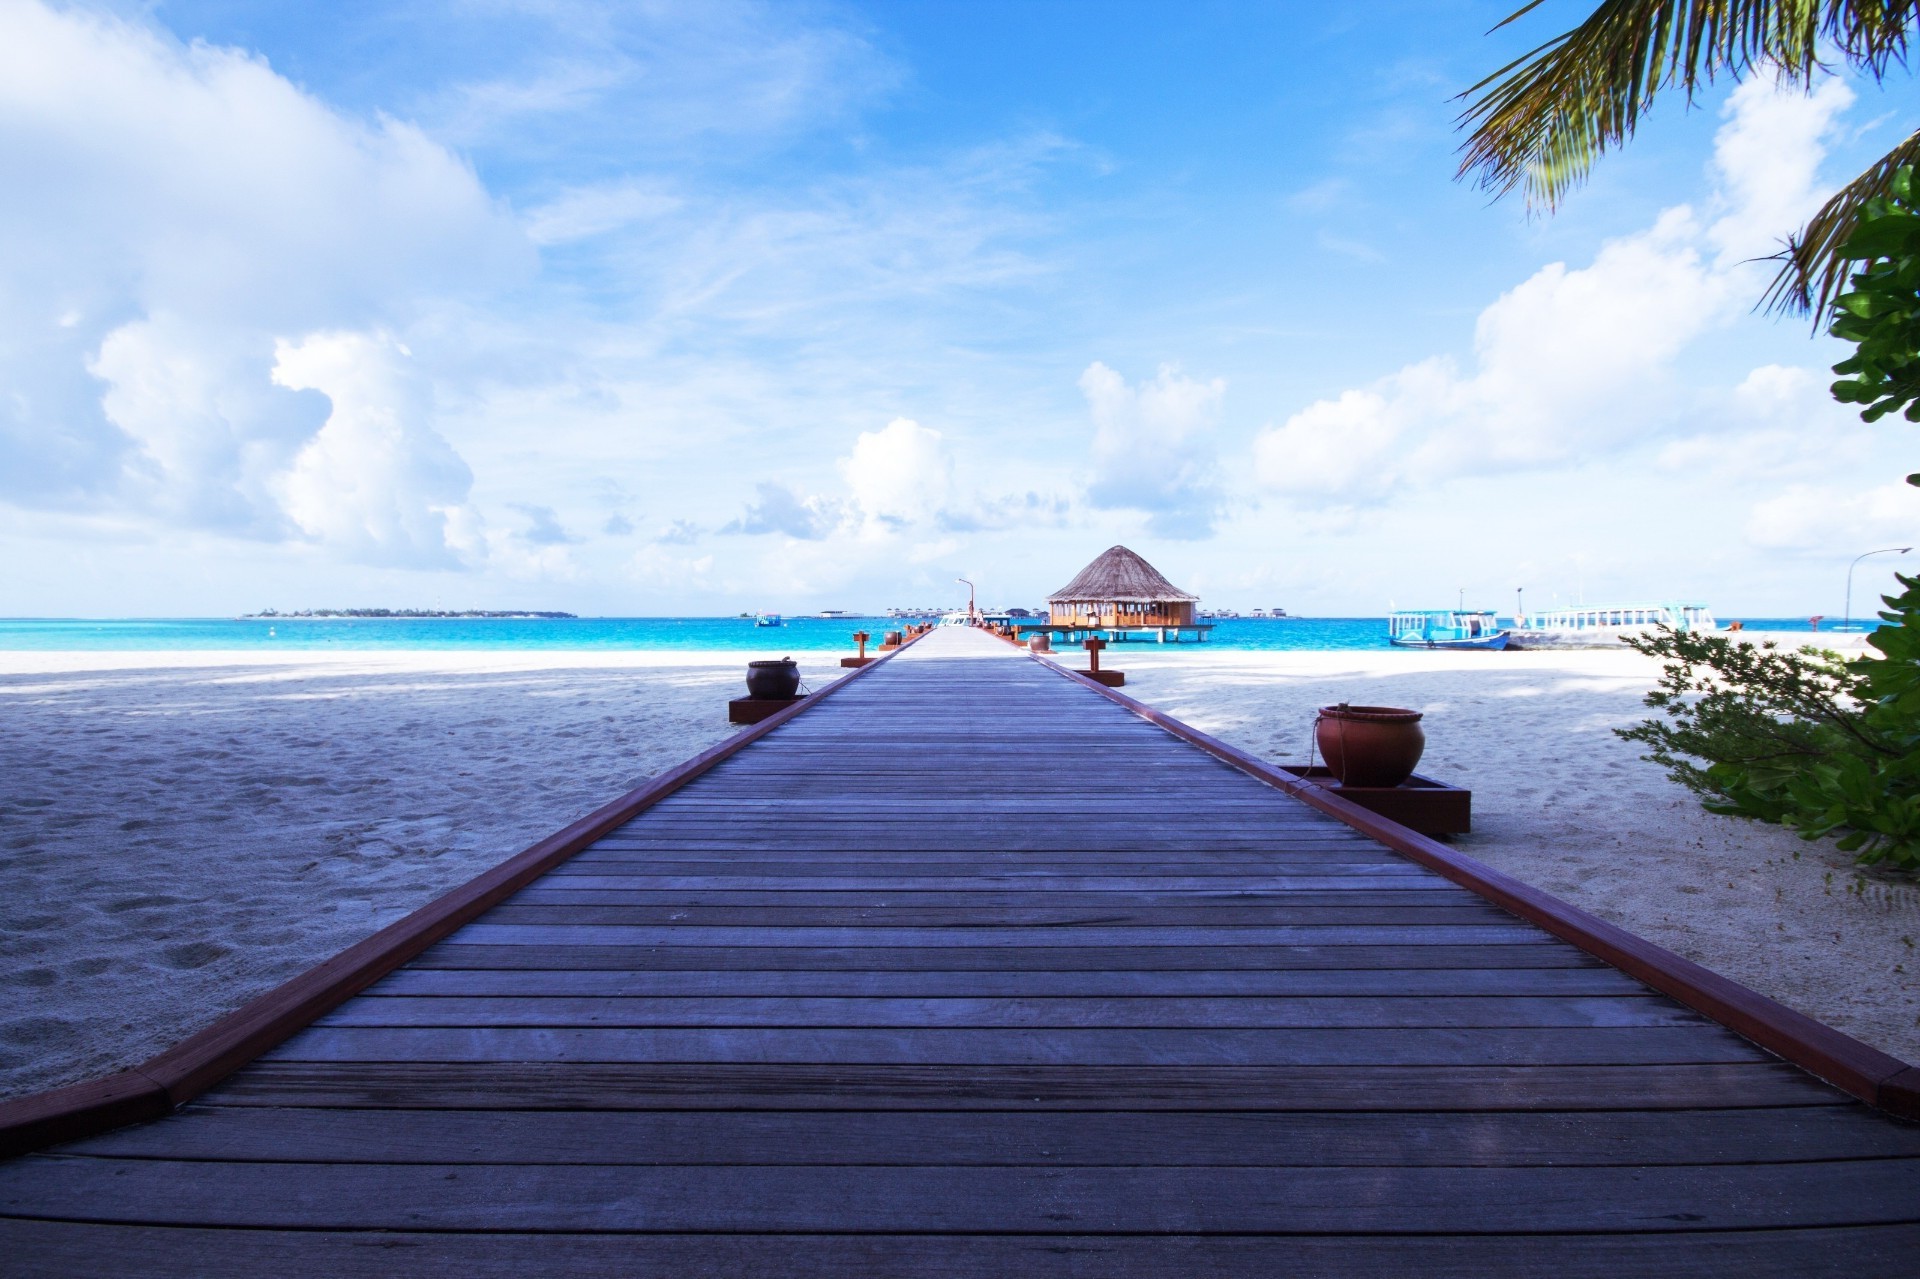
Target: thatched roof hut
{"points": [[1121, 589]]}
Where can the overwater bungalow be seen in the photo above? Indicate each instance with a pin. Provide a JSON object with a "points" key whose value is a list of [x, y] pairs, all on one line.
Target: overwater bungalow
{"points": [[1117, 598]]}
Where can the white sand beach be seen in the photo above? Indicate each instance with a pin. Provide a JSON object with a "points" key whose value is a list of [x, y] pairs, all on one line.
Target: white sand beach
{"points": [[182, 831]]}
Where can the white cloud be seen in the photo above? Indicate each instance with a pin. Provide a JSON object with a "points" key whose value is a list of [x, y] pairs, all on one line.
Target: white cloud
{"points": [[586, 212], [1574, 363], [899, 474], [678, 533], [172, 215], [1835, 519], [802, 266], [1339, 445], [543, 526], [1774, 392], [377, 482], [778, 509], [657, 566], [1766, 159], [663, 75], [207, 432], [900, 481], [1153, 447]]}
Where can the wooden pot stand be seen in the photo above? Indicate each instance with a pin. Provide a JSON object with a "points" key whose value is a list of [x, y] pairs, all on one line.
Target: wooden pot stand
{"points": [[751, 710], [1419, 803]]}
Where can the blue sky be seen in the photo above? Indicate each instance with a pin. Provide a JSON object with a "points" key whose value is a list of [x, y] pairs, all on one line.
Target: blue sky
{"points": [[662, 308]]}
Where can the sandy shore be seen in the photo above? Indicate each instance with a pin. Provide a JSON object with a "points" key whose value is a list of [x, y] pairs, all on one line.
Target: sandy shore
{"points": [[1560, 802], [182, 831]]}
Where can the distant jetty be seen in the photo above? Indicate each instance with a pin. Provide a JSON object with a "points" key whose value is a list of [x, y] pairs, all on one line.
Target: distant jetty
{"points": [[406, 613]]}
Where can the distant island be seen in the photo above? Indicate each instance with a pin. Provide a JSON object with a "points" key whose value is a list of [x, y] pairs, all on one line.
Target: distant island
{"points": [[405, 612]]}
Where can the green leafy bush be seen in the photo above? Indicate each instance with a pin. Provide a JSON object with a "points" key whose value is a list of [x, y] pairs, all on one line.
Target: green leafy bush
{"points": [[1806, 739], [1802, 739]]}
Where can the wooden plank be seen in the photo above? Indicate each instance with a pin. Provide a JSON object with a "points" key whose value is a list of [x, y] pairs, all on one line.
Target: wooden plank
{"points": [[1226, 918], [1184, 882], [843, 1085], [1035, 956], [717, 846], [1211, 1046], [950, 1010], [772, 840], [881, 893], [60, 1250], [1019, 983], [1460, 1200], [1509, 1139], [1489, 933], [1271, 874]]}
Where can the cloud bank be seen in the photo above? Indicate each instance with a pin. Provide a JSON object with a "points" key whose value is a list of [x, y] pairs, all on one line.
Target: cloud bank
{"points": [[1575, 363], [1153, 448], [198, 265]]}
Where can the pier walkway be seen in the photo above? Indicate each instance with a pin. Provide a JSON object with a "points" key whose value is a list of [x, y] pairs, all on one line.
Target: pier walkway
{"points": [[968, 970]]}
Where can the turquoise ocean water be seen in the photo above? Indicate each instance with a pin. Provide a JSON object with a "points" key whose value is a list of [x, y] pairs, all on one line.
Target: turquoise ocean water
{"points": [[797, 635]]}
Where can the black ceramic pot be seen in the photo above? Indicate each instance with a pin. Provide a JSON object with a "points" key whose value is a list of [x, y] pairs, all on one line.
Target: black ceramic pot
{"points": [[773, 680]]}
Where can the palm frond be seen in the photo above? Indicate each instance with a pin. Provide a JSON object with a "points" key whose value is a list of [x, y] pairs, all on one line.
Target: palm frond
{"points": [[1542, 120], [1811, 276]]}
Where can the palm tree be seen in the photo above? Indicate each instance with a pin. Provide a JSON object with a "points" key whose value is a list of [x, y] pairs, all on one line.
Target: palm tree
{"points": [[1541, 121]]}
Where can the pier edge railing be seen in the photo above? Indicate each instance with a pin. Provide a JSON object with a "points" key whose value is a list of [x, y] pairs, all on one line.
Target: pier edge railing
{"points": [[1858, 1069], [170, 1079]]}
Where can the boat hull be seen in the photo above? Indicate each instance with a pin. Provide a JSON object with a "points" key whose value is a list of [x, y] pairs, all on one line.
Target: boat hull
{"points": [[1485, 643], [1590, 637]]}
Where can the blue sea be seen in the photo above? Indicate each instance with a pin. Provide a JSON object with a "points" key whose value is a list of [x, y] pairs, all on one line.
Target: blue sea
{"points": [[796, 635]]}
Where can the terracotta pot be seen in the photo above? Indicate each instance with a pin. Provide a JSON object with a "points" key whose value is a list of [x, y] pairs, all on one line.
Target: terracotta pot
{"points": [[779, 679], [893, 639], [1040, 644], [1370, 745]]}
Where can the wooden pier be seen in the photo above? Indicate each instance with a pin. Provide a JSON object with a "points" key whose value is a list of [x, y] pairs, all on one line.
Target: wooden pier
{"points": [[899, 988]]}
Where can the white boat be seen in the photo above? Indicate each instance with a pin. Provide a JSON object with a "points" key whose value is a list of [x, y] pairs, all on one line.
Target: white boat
{"points": [[1445, 628], [1605, 626], [832, 614], [964, 618]]}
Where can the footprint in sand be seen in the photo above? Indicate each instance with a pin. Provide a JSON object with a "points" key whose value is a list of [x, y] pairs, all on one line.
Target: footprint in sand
{"points": [[39, 1032], [196, 954]]}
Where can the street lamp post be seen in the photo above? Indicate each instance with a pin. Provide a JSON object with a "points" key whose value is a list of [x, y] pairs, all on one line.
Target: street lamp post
{"points": [[1847, 625], [971, 611]]}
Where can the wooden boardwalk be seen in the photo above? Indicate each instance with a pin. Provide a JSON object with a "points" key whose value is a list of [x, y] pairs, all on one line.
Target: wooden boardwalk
{"points": [[967, 970]]}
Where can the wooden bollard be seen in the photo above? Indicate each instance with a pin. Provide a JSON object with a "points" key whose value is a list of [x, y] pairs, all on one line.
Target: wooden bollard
{"points": [[1112, 679]]}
